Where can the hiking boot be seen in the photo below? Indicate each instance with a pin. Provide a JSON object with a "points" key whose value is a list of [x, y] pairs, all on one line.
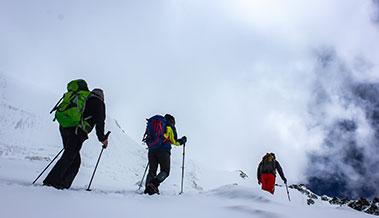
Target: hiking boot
{"points": [[151, 189], [45, 183], [147, 189], [57, 186]]}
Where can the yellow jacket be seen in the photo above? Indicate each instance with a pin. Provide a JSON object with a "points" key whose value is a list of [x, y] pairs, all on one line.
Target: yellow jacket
{"points": [[170, 136]]}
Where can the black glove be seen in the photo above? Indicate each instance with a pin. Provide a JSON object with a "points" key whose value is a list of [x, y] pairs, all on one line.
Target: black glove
{"points": [[183, 140], [285, 181]]}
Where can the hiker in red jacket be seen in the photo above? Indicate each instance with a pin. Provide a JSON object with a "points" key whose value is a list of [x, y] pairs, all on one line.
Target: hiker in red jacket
{"points": [[266, 172]]}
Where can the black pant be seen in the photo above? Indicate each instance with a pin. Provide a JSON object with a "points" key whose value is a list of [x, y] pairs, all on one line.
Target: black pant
{"points": [[65, 170], [161, 158]]}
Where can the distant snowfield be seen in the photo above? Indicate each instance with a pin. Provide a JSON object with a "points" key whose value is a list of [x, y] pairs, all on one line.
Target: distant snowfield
{"points": [[29, 140]]}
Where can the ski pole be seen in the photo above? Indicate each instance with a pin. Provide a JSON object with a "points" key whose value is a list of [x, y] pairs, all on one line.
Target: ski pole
{"points": [[47, 166], [143, 177], [288, 193], [97, 163], [184, 154], [94, 171]]}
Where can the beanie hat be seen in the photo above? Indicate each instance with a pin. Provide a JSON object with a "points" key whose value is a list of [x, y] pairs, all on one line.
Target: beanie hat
{"points": [[170, 118], [99, 93]]}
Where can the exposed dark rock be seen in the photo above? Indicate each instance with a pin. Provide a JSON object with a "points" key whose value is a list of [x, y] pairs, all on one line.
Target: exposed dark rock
{"points": [[313, 196], [303, 189], [310, 201], [360, 204], [345, 201], [364, 201], [324, 198], [336, 201], [373, 209], [243, 175]]}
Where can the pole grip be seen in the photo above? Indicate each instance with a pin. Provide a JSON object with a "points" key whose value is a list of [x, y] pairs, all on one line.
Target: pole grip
{"points": [[107, 135]]}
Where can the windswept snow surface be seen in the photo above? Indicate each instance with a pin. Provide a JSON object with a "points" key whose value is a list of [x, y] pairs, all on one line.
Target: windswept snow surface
{"points": [[29, 140], [22, 200]]}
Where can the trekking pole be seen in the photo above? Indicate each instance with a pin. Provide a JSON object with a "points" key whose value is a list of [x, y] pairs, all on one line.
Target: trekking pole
{"points": [[97, 163], [94, 171], [143, 177], [47, 166], [288, 193], [184, 154]]}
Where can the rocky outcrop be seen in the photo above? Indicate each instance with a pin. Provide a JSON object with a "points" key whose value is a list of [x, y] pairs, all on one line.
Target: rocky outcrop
{"points": [[243, 175], [362, 204], [366, 206], [304, 190]]}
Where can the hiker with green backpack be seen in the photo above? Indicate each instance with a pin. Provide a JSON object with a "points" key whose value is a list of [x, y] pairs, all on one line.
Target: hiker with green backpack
{"points": [[77, 113]]}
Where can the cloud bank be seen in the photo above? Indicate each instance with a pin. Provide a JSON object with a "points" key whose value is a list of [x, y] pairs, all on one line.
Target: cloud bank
{"points": [[346, 110]]}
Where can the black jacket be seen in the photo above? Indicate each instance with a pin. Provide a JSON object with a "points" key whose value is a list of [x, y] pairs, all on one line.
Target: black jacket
{"points": [[277, 168], [95, 112]]}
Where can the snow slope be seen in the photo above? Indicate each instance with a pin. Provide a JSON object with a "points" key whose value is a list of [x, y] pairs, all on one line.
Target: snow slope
{"points": [[32, 139], [227, 201], [29, 139]]}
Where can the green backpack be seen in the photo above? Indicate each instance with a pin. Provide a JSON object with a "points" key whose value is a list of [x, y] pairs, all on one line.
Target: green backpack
{"points": [[69, 109]]}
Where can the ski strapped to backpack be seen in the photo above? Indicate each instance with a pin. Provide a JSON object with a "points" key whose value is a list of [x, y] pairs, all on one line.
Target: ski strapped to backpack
{"points": [[155, 130], [69, 109]]}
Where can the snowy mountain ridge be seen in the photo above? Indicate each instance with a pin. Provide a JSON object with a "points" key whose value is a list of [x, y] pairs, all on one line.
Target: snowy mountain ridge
{"points": [[29, 140]]}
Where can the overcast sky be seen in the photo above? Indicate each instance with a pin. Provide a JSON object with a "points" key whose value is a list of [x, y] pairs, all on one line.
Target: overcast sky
{"points": [[238, 75]]}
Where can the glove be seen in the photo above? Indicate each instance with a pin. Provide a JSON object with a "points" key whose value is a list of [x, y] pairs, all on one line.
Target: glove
{"points": [[105, 143], [183, 140], [259, 182], [285, 181]]}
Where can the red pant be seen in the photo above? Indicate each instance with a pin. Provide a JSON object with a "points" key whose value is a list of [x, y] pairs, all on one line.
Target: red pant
{"points": [[268, 182]]}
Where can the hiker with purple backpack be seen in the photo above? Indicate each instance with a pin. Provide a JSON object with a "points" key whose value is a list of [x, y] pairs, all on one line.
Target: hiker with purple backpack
{"points": [[160, 134]]}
